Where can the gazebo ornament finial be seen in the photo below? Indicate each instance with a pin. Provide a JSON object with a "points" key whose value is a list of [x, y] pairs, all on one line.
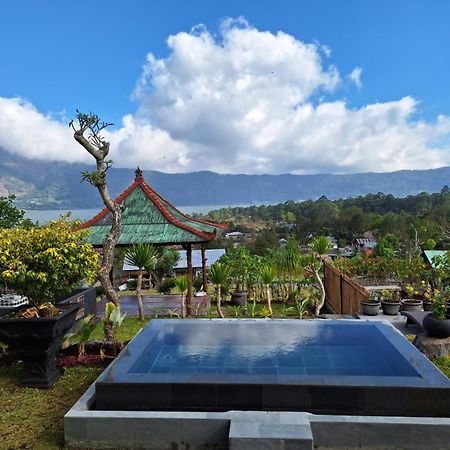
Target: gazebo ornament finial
{"points": [[138, 173]]}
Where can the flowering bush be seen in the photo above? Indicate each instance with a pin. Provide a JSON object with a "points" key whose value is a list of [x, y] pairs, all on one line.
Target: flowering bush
{"points": [[45, 262]]}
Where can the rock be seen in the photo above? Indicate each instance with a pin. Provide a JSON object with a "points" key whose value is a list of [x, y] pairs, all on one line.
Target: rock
{"points": [[432, 347]]}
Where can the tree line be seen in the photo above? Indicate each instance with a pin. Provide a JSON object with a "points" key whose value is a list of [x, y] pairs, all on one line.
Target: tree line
{"points": [[417, 218]]}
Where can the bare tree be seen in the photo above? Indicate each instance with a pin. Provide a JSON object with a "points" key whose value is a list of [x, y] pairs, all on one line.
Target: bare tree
{"points": [[87, 133]]}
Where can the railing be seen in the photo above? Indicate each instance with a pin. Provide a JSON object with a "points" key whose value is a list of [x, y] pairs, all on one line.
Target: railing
{"points": [[343, 295]]}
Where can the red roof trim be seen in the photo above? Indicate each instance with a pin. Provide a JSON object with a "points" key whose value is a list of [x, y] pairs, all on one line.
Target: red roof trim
{"points": [[217, 225], [157, 200]]}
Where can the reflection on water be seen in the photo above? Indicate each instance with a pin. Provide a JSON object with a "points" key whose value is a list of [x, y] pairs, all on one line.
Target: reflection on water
{"points": [[272, 348]]}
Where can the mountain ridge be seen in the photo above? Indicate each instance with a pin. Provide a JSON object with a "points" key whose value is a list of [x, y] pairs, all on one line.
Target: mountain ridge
{"points": [[40, 184]]}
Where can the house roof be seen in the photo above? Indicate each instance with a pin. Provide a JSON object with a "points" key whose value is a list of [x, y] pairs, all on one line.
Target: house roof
{"points": [[149, 218], [212, 255], [430, 254]]}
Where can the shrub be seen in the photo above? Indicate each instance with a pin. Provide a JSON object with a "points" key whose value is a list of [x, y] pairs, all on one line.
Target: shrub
{"points": [[47, 262], [167, 285]]}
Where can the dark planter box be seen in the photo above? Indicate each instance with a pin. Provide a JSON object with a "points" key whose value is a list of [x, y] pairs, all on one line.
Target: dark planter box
{"points": [[85, 297], [36, 341], [370, 308]]}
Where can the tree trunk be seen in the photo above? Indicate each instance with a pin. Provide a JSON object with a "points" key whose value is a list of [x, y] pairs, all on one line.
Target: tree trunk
{"points": [[190, 276], [204, 270], [183, 306], [219, 302], [322, 288], [269, 300], [139, 294], [108, 332]]}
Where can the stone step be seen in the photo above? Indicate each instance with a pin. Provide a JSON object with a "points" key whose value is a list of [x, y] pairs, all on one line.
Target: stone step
{"points": [[269, 431]]}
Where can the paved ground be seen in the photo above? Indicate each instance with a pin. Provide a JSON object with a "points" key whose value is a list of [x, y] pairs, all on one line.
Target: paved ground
{"points": [[398, 321], [163, 305]]}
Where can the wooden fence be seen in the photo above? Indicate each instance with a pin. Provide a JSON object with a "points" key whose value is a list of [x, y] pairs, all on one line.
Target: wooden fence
{"points": [[343, 295]]}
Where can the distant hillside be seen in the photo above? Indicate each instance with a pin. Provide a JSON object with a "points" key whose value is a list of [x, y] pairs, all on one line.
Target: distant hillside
{"points": [[55, 185]]}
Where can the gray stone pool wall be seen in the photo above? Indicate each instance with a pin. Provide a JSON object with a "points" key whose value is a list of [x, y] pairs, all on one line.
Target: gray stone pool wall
{"points": [[249, 430]]}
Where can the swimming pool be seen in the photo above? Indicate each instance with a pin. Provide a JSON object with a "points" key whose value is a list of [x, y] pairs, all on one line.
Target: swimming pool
{"points": [[320, 366]]}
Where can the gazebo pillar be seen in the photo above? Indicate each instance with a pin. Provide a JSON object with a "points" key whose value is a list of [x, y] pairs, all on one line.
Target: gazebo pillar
{"points": [[204, 272], [190, 276]]}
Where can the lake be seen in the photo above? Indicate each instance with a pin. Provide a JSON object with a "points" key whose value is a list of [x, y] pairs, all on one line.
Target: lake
{"points": [[44, 215]]}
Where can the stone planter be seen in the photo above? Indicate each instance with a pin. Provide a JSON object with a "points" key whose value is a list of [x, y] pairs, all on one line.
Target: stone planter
{"points": [[437, 328], [411, 304], [370, 308], [36, 341], [239, 298], [390, 308], [427, 305]]}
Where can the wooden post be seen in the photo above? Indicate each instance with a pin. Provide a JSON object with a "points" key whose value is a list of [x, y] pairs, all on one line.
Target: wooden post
{"points": [[204, 270], [190, 275]]}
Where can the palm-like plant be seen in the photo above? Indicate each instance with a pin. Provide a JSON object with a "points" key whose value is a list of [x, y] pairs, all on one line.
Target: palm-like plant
{"points": [[182, 285], [219, 274], [288, 263], [267, 275], [144, 256], [319, 246]]}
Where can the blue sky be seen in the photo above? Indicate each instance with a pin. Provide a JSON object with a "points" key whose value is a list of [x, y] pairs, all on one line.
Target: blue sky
{"points": [[59, 55]]}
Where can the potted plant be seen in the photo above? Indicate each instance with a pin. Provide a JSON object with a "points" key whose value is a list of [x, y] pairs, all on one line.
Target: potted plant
{"points": [[239, 262], [390, 305], [437, 323], [428, 299], [42, 263], [371, 305], [410, 303]]}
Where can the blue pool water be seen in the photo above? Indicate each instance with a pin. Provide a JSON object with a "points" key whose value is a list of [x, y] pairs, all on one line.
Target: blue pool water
{"points": [[255, 348]]}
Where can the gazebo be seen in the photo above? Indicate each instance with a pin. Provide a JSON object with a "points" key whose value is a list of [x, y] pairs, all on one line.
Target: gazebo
{"points": [[149, 218]]}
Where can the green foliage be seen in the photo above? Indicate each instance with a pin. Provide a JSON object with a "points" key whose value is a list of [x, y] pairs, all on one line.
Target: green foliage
{"points": [[236, 310], [112, 321], [46, 262], [182, 283], [219, 273], [143, 256], [242, 266], [251, 309], [320, 245], [167, 285], [286, 310], [83, 332], [10, 215], [301, 307], [265, 312], [267, 274], [439, 307]]}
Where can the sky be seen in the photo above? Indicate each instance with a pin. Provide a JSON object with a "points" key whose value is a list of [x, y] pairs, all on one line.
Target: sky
{"points": [[231, 86]]}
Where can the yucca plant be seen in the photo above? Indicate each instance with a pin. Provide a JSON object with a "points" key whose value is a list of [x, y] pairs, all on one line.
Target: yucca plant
{"points": [[267, 276], [219, 274], [144, 256], [319, 246], [182, 285]]}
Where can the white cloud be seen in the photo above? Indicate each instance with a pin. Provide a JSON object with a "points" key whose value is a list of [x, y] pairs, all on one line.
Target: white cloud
{"points": [[245, 101], [27, 132], [355, 76]]}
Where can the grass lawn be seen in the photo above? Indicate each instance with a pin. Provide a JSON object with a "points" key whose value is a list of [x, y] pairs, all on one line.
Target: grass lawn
{"points": [[33, 418]]}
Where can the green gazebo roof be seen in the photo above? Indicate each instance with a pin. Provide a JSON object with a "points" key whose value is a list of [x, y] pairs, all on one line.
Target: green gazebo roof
{"points": [[149, 218]]}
